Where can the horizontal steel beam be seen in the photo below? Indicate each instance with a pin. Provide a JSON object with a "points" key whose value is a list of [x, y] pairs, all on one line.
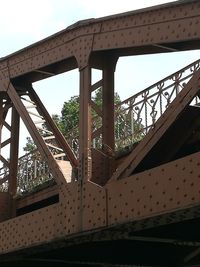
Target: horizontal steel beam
{"points": [[164, 28]]}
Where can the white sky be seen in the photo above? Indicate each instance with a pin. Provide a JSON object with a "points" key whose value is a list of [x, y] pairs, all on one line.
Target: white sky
{"points": [[23, 22]]}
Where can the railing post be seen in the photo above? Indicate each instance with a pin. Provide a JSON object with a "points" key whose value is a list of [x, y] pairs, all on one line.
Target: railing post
{"points": [[85, 164], [132, 123]]}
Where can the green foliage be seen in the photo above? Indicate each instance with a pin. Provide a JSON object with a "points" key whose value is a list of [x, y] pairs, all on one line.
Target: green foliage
{"points": [[69, 115], [30, 145], [97, 98], [70, 112]]}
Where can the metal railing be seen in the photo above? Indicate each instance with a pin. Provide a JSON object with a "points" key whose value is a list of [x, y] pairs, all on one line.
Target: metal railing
{"points": [[135, 116], [33, 171]]}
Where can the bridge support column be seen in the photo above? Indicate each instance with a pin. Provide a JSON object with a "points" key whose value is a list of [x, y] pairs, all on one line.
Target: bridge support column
{"points": [[103, 135], [85, 164], [108, 118], [14, 145], [103, 161], [108, 107]]}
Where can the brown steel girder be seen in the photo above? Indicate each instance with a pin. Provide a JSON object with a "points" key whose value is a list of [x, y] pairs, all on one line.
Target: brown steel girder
{"points": [[160, 29], [84, 206], [98, 171], [90, 206]]}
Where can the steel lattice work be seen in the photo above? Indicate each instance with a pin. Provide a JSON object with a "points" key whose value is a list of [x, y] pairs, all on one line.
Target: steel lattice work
{"points": [[97, 207]]}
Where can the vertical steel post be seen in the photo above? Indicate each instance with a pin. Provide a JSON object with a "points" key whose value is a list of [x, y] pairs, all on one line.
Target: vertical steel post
{"points": [[14, 145], [108, 107], [108, 111], [1, 119], [85, 164]]}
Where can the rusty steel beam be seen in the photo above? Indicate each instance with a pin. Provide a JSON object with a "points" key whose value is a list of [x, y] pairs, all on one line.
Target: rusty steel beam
{"points": [[103, 161], [14, 146], [82, 206], [13, 165], [85, 125], [58, 135], [35, 134], [159, 29], [108, 121]]}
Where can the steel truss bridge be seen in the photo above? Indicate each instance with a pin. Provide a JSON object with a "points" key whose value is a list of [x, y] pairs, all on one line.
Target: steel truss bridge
{"points": [[111, 193]]}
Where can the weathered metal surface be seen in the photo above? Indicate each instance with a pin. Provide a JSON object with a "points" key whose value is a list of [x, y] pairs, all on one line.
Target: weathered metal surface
{"points": [[85, 128], [42, 225], [81, 206], [94, 213], [4, 206], [162, 189], [163, 25]]}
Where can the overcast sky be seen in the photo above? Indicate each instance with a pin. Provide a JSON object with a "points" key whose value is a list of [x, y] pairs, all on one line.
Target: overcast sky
{"points": [[23, 22]]}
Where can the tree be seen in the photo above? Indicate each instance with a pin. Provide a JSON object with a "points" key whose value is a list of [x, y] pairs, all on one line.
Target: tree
{"points": [[69, 115], [30, 145], [70, 112]]}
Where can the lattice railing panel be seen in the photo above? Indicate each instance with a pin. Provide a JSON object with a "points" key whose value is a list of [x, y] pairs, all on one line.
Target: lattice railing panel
{"points": [[32, 172]]}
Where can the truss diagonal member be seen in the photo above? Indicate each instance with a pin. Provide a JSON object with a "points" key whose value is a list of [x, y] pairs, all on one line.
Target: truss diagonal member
{"points": [[96, 85], [7, 125], [164, 122], [56, 132], [96, 108], [97, 132], [4, 179], [4, 161], [6, 106], [42, 147]]}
